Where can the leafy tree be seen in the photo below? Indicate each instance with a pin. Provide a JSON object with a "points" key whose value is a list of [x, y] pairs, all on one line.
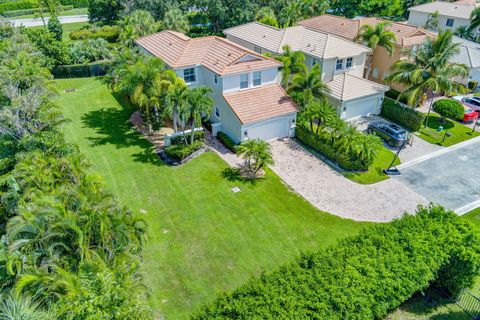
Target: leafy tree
{"points": [[223, 14], [293, 63], [307, 86], [55, 52], [448, 108], [105, 12], [201, 104], [256, 153], [382, 8], [432, 21], [55, 28], [175, 20], [137, 24], [374, 36], [431, 71], [295, 10], [266, 16], [89, 50]]}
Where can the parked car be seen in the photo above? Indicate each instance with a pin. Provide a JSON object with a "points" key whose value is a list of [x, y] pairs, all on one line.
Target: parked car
{"points": [[472, 107], [470, 115], [392, 134]]}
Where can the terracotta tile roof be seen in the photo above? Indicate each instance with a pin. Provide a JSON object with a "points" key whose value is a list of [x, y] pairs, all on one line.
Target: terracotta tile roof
{"points": [[346, 87], [312, 42], [348, 28], [221, 56], [261, 103]]}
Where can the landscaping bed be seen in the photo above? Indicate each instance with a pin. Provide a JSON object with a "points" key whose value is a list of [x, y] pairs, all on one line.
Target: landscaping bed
{"points": [[375, 172]]}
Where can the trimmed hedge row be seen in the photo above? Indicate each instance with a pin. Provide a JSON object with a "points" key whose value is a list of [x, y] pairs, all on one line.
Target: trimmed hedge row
{"points": [[21, 12], [75, 3], [94, 69], [18, 5], [408, 118], [181, 151], [199, 135], [324, 146], [364, 276], [227, 141], [109, 33]]}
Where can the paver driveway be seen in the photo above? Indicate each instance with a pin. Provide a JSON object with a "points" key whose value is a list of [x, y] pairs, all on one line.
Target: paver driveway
{"points": [[449, 178], [330, 191]]}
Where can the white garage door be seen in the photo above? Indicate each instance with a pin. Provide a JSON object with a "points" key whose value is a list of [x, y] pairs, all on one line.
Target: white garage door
{"points": [[269, 130], [363, 107]]}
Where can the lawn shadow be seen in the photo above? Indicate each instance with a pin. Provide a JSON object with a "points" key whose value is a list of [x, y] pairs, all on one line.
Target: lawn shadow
{"points": [[233, 175], [112, 126]]}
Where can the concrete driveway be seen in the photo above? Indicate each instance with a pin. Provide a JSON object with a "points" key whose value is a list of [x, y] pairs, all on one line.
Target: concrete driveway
{"points": [[329, 191], [448, 177], [33, 22], [419, 147]]}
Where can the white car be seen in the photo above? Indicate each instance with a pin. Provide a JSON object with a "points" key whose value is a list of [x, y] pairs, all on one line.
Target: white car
{"points": [[470, 102]]}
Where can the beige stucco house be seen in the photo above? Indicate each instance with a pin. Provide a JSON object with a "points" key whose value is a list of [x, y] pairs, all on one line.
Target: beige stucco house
{"points": [[248, 101], [342, 62]]}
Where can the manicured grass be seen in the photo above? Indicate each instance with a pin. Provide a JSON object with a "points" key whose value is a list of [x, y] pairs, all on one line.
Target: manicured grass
{"points": [[67, 28], [459, 132], [473, 216], [203, 238], [71, 12], [375, 171]]}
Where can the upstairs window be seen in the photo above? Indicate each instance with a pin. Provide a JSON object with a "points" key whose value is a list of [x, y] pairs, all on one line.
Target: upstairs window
{"points": [[339, 64], [189, 75], [349, 63], [244, 81], [449, 22], [257, 78]]}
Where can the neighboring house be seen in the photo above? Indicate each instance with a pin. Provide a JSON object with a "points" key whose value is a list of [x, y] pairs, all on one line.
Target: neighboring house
{"points": [[451, 14], [249, 102], [409, 38], [342, 63], [469, 55]]}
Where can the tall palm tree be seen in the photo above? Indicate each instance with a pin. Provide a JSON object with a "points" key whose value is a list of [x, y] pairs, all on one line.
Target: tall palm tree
{"points": [[432, 21], [176, 100], [306, 86], [431, 71], [257, 154], [293, 63], [474, 19], [320, 111], [137, 24], [464, 32], [374, 36], [367, 147], [201, 104]]}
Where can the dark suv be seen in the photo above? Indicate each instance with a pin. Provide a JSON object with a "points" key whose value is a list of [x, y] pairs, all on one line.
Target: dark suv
{"points": [[394, 135]]}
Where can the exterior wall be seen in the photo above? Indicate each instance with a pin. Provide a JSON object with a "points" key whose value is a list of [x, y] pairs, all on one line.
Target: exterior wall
{"points": [[416, 18], [328, 70], [419, 19], [382, 63], [373, 104], [285, 124], [232, 83]]}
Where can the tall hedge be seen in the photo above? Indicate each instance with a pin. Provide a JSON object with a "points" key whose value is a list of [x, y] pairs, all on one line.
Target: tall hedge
{"points": [[362, 277], [406, 117], [94, 69], [18, 5]]}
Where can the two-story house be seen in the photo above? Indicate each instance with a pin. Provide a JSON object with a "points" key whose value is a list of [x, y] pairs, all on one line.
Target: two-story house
{"points": [[341, 61], [249, 102], [451, 15], [408, 39]]}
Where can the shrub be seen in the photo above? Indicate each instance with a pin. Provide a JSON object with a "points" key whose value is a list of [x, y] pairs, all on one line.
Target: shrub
{"points": [[21, 12], [227, 142], [75, 3], [472, 85], [199, 135], [90, 50], [449, 108], [406, 117], [393, 94], [18, 5], [109, 33], [364, 276], [95, 69], [181, 151], [55, 28], [56, 52]]}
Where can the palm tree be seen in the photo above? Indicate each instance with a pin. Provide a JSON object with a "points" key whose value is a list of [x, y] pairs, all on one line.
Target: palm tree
{"points": [[175, 20], [21, 307], [474, 19], [367, 147], [320, 111], [374, 36], [176, 99], [306, 86], [137, 24], [431, 71], [257, 154], [432, 21], [201, 104], [293, 63], [464, 32]]}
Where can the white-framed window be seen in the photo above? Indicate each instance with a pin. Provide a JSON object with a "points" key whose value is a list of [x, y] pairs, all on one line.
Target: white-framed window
{"points": [[349, 63], [217, 112], [449, 22], [339, 64], [257, 78], [244, 81], [189, 75], [215, 78], [375, 73], [257, 49]]}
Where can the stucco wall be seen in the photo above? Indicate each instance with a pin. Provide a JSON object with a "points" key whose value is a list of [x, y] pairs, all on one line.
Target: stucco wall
{"points": [[420, 19], [232, 83]]}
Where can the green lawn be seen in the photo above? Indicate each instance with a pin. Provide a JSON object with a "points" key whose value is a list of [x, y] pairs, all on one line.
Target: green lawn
{"points": [[474, 217], [203, 238], [71, 12], [459, 132], [375, 171], [67, 28]]}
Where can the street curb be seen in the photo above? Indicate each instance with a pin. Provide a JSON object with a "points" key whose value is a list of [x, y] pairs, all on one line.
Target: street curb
{"points": [[438, 153], [467, 208]]}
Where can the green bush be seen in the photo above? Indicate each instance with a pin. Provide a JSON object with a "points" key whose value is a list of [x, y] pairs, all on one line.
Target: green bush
{"points": [[18, 5], [472, 85], [199, 135], [227, 142], [22, 12], [393, 94], [99, 68], [75, 3], [90, 50], [406, 117], [109, 33], [449, 108], [181, 151], [364, 276]]}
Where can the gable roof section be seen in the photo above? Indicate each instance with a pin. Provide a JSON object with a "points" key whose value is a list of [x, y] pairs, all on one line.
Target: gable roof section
{"points": [[217, 54], [260, 103], [349, 28], [313, 42], [345, 87], [469, 53], [459, 9]]}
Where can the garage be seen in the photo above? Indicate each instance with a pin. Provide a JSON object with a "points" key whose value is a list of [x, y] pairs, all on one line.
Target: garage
{"points": [[362, 107], [270, 129]]}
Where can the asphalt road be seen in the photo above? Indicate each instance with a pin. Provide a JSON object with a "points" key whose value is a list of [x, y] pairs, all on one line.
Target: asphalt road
{"points": [[450, 177], [33, 22]]}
